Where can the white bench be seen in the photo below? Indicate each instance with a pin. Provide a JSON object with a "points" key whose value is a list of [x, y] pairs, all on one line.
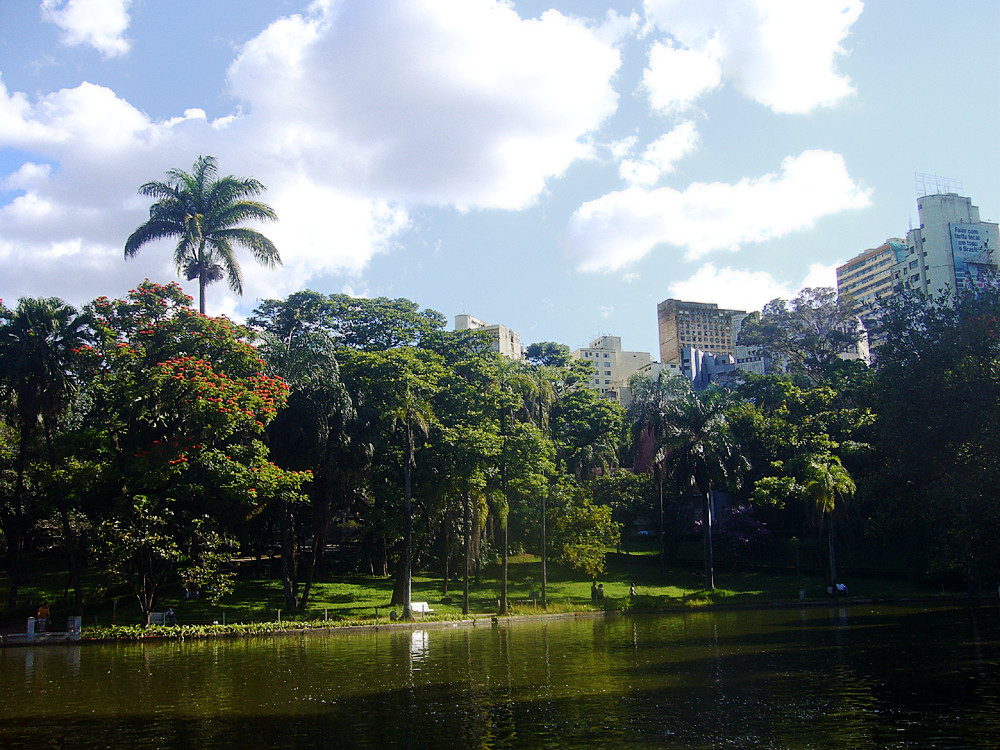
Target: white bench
{"points": [[421, 608]]}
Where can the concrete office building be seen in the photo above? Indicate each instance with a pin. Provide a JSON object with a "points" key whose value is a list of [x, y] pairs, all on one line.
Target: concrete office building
{"points": [[871, 275], [951, 249], [612, 367], [700, 325], [505, 341]]}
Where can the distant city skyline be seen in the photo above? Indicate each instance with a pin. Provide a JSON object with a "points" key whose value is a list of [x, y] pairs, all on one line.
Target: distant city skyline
{"points": [[556, 167]]}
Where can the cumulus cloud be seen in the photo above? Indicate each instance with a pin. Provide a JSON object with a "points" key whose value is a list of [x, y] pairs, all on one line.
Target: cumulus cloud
{"points": [[458, 102], [350, 114], [676, 76], [780, 53], [746, 290], [620, 227], [99, 23], [731, 287], [660, 156]]}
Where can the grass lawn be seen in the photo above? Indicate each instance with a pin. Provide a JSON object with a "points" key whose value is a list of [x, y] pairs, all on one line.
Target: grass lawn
{"points": [[354, 598]]}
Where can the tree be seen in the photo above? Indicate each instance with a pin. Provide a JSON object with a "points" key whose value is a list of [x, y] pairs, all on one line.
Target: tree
{"points": [[582, 531], [936, 395], [827, 485], [177, 411], [587, 430], [549, 354], [318, 429], [700, 451], [40, 359], [206, 214], [648, 419], [806, 335], [394, 390]]}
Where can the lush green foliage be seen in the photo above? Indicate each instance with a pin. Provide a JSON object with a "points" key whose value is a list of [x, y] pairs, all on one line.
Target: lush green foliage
{"points": [[150, 443]]}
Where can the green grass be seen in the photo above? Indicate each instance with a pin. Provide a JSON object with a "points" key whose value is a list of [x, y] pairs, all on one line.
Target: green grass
{"points": [[354, 598]]}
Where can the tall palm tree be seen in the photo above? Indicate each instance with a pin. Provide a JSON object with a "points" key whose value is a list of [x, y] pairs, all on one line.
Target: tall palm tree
{"points": [[515, 393], [827, 481], [700, 449], [40, 344], [646, 416], [205, 213], [413, 414]]}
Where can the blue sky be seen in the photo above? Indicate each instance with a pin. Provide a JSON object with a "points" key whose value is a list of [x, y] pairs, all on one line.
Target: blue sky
{"points": [[559, 167]]}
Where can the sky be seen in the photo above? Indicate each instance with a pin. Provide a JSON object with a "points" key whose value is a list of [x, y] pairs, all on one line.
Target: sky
{"points": [[557, 166]]}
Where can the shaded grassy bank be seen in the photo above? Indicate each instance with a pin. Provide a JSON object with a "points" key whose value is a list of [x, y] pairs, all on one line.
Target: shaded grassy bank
{"points": [[255, 606]]}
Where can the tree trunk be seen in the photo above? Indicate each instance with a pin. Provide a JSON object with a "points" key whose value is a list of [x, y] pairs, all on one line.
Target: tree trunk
{"points": [[833, 559], [289, 583], [321, 521], [467, 533], [544, 572], [69, 535], [408, 549], [709, 561], [503, 572]]}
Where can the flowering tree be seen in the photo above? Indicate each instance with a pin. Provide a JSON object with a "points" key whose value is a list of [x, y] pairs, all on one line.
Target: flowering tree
{"points": [[179, 407]]}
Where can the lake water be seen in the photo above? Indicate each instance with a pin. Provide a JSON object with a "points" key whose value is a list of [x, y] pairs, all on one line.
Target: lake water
{"points": [[857, 677]]}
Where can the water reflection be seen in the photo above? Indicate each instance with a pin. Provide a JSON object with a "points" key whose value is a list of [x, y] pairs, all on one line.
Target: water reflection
{"points": [[839, 677]]}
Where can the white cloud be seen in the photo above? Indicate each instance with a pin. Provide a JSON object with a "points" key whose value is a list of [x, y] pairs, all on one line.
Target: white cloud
{"points": [[781, 53], [676, 77], [81, 203], [746, 290], [99, 23], [458, 102], [620, 227], [820, 275], [731, 287], [350, 114], [660, 155]]}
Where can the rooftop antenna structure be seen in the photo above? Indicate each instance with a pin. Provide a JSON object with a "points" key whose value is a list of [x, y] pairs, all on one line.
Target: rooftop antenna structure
{"points": [[932, 184]]}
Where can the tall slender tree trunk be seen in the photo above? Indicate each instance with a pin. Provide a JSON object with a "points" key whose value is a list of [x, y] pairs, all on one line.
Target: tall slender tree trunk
{"points": [[408, 548], [69, 535], [833, 557], [18, 525], [503, 573], [323, 501], [467, 523], [289, 583], [544, 572], [709, 560]]}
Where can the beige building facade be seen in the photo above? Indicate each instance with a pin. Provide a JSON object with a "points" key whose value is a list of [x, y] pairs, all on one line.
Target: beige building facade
{"points": [[701, 325], [506, 341], [612, 366]]}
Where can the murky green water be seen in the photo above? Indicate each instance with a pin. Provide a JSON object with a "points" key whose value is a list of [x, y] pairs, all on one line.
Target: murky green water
{"points": [[823, 678]]}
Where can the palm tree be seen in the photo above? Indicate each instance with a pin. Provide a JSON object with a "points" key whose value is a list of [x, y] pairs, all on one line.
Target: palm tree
{"points": [[413, 414], [700, 449], [516, 391], [205, 214], [40, 345], [646, 416], [827, 481]]}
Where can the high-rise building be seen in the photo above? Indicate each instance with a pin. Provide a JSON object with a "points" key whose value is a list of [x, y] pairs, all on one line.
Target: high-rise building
{"points": [[951, 249], [612, 366], [870, 275], [505, 341], [700, 325]]}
